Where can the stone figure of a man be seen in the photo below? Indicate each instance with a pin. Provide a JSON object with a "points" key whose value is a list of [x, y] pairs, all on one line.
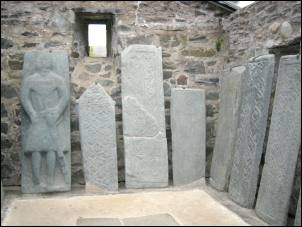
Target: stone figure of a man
{"points": [[44, 97]]}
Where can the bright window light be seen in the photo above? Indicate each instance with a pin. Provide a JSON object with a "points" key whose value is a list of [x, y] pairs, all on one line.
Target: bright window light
{"points": [[97, 40], [242, 4]]}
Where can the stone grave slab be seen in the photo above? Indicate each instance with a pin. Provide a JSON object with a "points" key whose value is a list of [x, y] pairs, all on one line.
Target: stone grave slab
{"points": [[45, 129], [298, 213], [223, 154], [146, 156], [98, 138], [188, 125], [253, 114], [2, 194], [283, 144]]}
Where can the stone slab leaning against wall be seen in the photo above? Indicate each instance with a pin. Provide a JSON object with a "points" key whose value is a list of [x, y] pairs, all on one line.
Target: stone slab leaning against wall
{"points": [[45, 98], [146, 155]]}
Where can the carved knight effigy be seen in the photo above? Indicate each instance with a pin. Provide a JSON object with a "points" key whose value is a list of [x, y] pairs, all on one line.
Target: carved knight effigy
{"points": [[45, 122]]}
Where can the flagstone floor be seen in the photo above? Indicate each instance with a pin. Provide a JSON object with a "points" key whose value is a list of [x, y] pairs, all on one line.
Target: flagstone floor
{"points": [[190, 205]]}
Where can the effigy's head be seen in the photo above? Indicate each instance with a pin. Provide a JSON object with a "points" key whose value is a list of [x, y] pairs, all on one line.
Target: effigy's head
{"points": [[43, 63]]}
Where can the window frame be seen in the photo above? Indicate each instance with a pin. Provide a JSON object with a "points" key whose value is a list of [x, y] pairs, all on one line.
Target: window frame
{"points": [[87, 18]]}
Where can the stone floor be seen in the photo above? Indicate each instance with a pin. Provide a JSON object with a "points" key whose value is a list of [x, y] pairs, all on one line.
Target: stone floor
{"points": [[195, 204]]}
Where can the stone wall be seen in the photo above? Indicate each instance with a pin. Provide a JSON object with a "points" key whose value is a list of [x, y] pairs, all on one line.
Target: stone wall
{"points": [[189, 33], [260, 27]]}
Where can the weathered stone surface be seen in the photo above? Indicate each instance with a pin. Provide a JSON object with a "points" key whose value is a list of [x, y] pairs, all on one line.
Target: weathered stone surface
{"points": [[7, 91], [53, 44], [188, 125], [144, 117], [168, 40], [94, 68], [253, 112], [167, 74], [227, 127], [199, 52], [298, 213], [167, 88], [15, 64], [283, 144], [30, 34], [29, 44], [182, 80], [98, 137], [146, 164], [4, 128], [45, 98], [195, 67], [286, 29], [2, 194], [5, 143], [106, 83], [151, 220], [99, 222], [6, 43]]}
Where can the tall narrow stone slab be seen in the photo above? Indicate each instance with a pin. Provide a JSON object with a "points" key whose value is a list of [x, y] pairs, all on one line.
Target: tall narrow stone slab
{"points": [[188, 125], [223, 154], [98, 138], [2, 194], [146, 157], [45, 97], [253, 113], [283, 144], [298, 213]]}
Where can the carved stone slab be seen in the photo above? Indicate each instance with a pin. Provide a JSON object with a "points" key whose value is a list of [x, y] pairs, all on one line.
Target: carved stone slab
{"points": [[253, 113], [283, 144], [146, 156], [2, 194], [188, 125], [98, 138], [223, 155], [298, 212], [45, 98]]}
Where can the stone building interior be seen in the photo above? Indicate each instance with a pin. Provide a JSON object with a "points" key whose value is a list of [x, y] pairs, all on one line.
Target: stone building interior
{"points": [[155, 113]]}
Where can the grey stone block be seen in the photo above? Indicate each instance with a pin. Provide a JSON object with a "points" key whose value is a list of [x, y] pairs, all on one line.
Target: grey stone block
{"points": [[188, 125], [146, 162], [283, 144], [151, 220], [146, 156], [298, 213], [45, 97], [98, 222], [98, 138], [227, 127], [253, 113]]}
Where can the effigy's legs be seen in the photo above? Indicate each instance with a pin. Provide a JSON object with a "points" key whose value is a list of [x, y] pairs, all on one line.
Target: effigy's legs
{"points": [[36, 166], [51, 164]]}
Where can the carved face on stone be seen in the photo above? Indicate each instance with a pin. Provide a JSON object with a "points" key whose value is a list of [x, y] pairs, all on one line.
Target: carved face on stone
{"points": [[43, 64]]}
